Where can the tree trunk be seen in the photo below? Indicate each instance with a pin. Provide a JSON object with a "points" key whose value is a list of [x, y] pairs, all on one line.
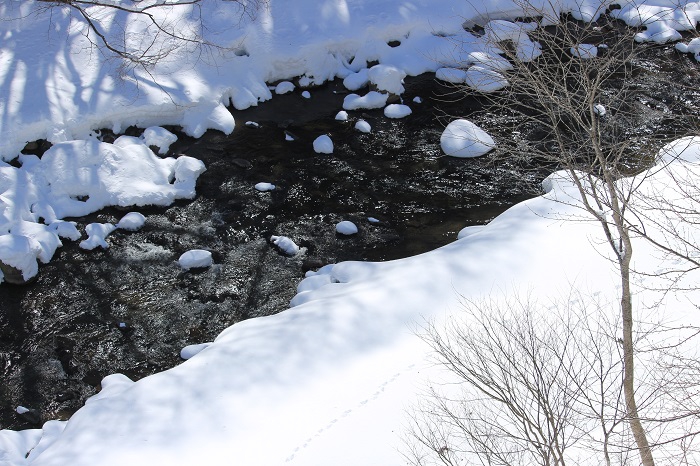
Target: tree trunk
{"points": [[638, 431]]}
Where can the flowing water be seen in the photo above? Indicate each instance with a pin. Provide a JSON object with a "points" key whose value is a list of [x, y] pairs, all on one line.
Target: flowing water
{"points": [[130, 308]]}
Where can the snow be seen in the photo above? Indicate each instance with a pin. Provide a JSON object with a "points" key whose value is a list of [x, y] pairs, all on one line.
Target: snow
{"points": [[584, 51], [284, 87], [462, 138], [501, 30], [132, 221], [346, 227], [97, 234], [338, 369], [451, 75], [285, 244], [21, 410], [323, 145], [356, 81], [192, 350], [484, 79], [372, 99], [417, 100], [264, 186], [195, 258], [363, 126], [387, 78], [306, 94], [397, 111], [342, 116], [159, 137], [599, 109]]}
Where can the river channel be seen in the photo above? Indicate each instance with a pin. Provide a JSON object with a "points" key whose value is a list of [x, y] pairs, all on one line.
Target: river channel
{"points": [[131, 308]]}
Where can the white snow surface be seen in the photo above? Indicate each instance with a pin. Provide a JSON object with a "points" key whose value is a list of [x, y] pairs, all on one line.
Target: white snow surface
{"points": [[97, 234], [285, 244], [363, 126], [264, 186], [284, 87], [159, 137], [323, 144], [344, 362], [584, 51], [372, 99], [397, 111], [462, 138], [132, 221], [195, 258], [346, 227], [484, 80]]}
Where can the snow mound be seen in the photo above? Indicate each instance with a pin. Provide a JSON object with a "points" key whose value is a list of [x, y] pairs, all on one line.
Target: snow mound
{"points": [[97, 233], [195, 258], [285, 244], [21, 253], [484, 79], [387, 78], [489, 60], [131, 221], [397, 111], [372, 99], [263, 187], [363, 126], [284, 87], [451, 75], [158, 137], [502, 30], [342, 116], [356, 81], [323, 145], [462, 138], [346, 228]]}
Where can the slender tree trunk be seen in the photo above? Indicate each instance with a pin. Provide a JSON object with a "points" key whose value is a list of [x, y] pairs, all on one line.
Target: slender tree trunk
{"points": [[638, 431]]}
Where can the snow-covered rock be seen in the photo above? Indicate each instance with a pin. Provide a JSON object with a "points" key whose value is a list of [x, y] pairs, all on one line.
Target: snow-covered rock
{"points": [[584, 51], [284, 87], [462, 138], [323, 145], [346, 227], [363, 126], [97, 233], [372, 99], [285, 244], [158, 137], [264, 186], [387, 78], [484, 79], [342, 116], [397, 111], [195, 258], [451, 75], [131, 221]]}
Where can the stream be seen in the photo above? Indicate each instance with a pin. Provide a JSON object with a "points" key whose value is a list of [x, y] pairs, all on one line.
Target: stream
{"points": [[131, 308]]}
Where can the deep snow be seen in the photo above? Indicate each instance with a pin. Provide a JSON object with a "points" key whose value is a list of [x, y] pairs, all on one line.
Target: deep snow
{"points": [[338, 369]]}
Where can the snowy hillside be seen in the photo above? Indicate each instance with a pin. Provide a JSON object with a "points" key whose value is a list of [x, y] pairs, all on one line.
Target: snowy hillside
{"points": [[330, 380]]}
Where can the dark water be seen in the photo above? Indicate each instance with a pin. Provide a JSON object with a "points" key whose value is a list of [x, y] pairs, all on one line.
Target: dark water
{"points": [[130, 308], [61, 334]]}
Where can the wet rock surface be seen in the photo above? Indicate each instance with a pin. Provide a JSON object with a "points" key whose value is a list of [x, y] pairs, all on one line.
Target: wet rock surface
{"points": [[131, 308]]}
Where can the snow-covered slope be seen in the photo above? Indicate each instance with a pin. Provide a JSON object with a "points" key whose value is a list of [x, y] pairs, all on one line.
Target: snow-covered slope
{"points": [[329, 380]]}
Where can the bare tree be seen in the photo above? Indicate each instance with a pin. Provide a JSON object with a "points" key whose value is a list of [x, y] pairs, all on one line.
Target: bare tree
{"points": [[571, 102], [526, 384], [162, 31]]}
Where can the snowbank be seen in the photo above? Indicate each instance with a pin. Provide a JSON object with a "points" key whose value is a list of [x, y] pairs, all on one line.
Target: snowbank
{"points": [[76, 178]]}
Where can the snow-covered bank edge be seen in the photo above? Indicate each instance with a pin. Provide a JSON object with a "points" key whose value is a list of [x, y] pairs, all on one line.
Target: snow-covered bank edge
{"points": [[345, 362]]}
